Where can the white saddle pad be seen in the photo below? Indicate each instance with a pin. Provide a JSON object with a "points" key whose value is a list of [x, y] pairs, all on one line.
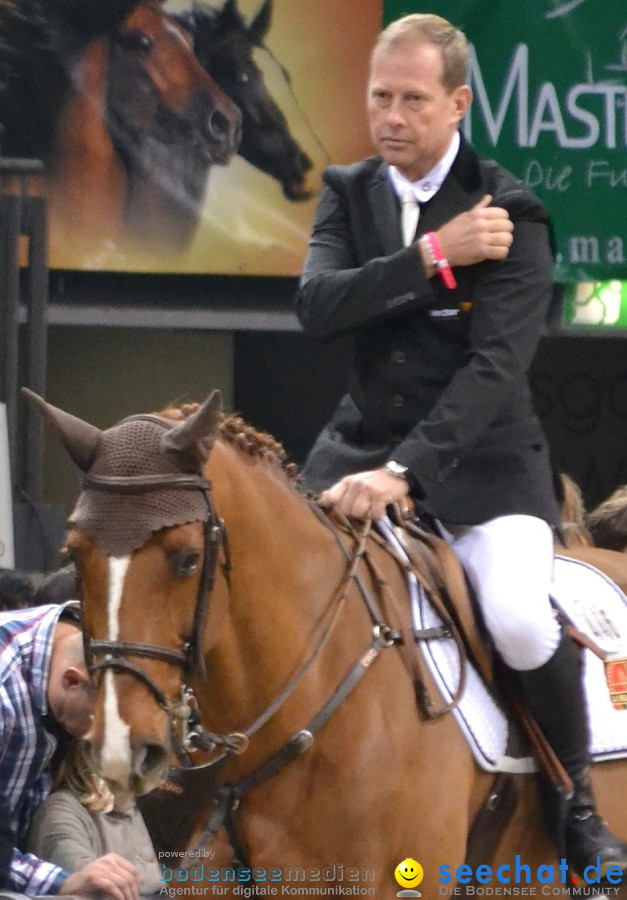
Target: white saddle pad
{"points": [[598, 608], [595, 605]]}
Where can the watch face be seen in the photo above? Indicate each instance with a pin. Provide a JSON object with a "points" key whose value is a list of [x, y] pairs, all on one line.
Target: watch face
{"points": [[395, 468]]}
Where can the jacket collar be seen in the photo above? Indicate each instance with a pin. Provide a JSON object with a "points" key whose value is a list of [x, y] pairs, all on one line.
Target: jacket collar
{"points": [[461, 188]]}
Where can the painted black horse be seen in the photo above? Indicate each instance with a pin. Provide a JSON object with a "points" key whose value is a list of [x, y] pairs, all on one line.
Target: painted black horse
{"points": [[224, 44]]}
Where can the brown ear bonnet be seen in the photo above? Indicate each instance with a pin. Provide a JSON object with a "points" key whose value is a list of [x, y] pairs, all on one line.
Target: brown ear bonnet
{"points": [[140, 447]]}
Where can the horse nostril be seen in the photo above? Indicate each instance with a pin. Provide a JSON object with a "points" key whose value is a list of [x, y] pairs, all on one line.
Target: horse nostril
{"points": [[150, 759], [224, 131]]}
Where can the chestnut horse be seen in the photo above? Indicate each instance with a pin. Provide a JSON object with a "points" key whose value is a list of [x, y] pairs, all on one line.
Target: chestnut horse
{"points": [[128, 123], [203, 566]]}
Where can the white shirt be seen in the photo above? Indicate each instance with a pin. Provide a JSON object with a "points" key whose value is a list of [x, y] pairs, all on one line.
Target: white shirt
{"points": [[425, 188]]}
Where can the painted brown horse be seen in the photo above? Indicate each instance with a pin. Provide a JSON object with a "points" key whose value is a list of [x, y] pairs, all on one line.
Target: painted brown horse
{"points": [[125, 118], [204, 565]]}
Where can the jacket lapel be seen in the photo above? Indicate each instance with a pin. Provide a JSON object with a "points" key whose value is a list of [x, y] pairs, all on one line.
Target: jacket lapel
{"points": [[385, 211], [461, 189], [449, 201]]}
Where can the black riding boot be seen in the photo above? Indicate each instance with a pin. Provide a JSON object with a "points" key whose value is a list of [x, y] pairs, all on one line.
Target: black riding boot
{"points": [[554, 696]]}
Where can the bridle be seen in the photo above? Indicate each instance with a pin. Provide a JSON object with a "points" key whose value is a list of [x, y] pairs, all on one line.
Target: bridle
{"points": [[114, 655], [191, 657]]}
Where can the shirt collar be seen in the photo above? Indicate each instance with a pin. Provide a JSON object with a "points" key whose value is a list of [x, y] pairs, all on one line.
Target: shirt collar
{"points": [[43, 640], [425, 188], [39, 653]]}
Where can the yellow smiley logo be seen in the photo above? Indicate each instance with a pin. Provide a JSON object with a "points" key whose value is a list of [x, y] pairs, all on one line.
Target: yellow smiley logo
{"points": [[408, 873]]}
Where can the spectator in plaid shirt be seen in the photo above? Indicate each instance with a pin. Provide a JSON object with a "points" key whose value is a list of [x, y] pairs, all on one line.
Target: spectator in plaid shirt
{"points": [[45, 695]]}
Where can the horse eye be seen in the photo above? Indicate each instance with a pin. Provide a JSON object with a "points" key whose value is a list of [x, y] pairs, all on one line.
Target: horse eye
{"points": [[185, 562], [136, 41], [243, 78]]}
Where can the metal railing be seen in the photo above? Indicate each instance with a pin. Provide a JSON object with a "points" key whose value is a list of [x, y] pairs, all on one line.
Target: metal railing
{"points": [[23, 319]]}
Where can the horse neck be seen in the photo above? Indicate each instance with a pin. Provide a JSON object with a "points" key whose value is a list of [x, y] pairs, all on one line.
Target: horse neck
{"points": [[156, 214], [87, 182], [285, 571]]}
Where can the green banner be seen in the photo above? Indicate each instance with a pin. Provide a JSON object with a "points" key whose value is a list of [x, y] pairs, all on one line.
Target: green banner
{"points": [[549, 79]]}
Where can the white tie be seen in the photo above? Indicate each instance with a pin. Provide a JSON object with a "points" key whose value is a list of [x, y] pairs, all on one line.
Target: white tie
{"points": [[410, 213]]}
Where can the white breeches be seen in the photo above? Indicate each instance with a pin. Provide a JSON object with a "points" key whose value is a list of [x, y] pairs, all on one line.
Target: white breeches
{"points": [[509, 563]]}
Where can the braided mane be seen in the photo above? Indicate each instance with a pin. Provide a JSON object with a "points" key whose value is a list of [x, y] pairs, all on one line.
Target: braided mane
{"points": [[234, 430]]}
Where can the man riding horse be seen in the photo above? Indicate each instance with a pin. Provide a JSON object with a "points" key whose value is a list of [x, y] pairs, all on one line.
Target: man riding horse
{"points": [[439, 408]]}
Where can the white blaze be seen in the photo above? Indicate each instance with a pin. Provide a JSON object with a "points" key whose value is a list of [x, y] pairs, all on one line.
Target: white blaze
{"points": [[116, 748]]}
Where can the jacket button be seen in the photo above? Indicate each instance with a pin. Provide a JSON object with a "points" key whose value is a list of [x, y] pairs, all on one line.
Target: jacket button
{"points": [[398, 401], [399, 357]]}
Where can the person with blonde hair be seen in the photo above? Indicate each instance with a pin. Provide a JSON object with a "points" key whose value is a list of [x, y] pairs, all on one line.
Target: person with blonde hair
{"points": [[82, 820]]}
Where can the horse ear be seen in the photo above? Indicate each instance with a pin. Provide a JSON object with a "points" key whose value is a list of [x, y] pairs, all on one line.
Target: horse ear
{"points": [[189, 444], [229, 9], [80, 438], [259, 26]]}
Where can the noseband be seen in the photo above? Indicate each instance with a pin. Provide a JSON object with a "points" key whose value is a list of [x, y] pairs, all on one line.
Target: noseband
{"points": [[191, 658]]}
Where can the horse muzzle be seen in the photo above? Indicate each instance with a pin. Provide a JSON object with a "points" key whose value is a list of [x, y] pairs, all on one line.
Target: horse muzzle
{"points": [[137, 769], [222, 134]]}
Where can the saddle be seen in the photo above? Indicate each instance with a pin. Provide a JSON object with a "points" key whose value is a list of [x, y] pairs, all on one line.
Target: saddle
{"points": [[441, 574], [442, 577]]}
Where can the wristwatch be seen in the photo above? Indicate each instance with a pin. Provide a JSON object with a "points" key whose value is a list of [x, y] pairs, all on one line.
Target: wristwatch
{"points": [[397, 470]]}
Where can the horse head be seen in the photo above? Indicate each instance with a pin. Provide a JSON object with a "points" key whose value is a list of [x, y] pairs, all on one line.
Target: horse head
{"points": [[144, 518], [225, 44], [173, 100], [169, 121]]}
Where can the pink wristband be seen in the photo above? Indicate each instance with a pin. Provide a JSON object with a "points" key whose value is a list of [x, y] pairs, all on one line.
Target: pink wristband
{"points": [[440, 262]]}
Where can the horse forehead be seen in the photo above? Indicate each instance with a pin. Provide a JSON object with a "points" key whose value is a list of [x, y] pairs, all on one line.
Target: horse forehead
{"points": [[150, 18], [134, 447], [179, 34], [144, 13], [119, 523]]}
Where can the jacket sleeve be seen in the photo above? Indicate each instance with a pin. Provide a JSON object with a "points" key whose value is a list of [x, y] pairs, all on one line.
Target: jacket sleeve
{"points": [[511, 299], [340, 292]]}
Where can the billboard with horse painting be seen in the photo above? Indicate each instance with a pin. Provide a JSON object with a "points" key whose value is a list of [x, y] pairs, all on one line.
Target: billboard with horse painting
{"points": [[184, 136]]}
